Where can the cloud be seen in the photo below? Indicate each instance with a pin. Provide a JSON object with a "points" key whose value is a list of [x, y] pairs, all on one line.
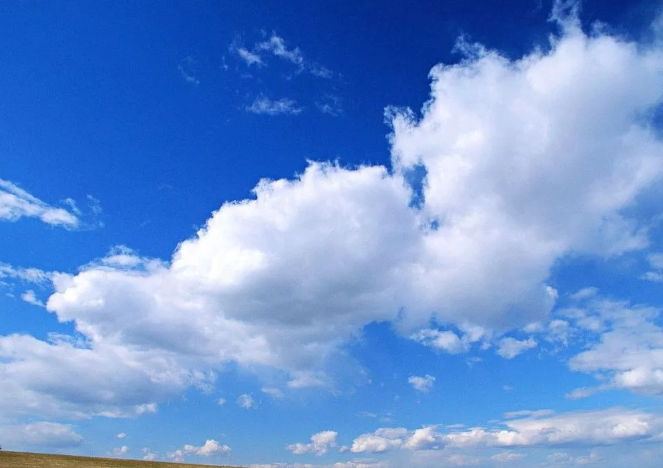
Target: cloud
{"points": [[319, 445], [382, 440], [210, 448], [273, 392], [529, 413], [246, 401], [249, 57], [330, 105], [16, 203], [121, 435], [264, 105], [656, 263], [39, 434], [187, 68], [422, 384], [583, 428], [507, 457], [148, 455], [221, 401], [29, 297], [287, 278], [276, 46], [510, 347], [120, 451], [28, 275], [628, 354]]}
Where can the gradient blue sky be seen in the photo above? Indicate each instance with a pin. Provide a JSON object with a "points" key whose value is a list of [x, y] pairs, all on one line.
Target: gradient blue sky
{"points": [[333, 234]]}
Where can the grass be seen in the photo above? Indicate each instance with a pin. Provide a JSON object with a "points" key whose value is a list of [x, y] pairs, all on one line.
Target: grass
{"points": [[39, 460]]}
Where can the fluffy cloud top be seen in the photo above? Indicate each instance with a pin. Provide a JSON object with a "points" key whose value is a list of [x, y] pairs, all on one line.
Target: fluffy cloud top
{"points": [[288, 277], [211, 447], [319, 445]]}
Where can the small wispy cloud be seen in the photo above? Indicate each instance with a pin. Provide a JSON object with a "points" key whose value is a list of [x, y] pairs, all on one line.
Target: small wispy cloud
{"points": [[30, 297], [249, 57], [187, 68], [16, 203], [330, 105], [276, 46], [264, 105]]}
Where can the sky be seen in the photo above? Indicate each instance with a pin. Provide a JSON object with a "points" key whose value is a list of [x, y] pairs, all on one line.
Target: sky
{"points": [[333, 234]]}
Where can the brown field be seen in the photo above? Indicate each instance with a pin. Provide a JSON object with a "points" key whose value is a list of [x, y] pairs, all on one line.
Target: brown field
{"points": [[38, 460]]}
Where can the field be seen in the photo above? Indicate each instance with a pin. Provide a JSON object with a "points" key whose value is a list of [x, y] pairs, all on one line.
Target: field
{"points": [[38, 460]]}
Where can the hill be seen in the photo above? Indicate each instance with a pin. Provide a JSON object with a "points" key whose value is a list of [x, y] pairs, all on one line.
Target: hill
{"points": [[39, 460]]}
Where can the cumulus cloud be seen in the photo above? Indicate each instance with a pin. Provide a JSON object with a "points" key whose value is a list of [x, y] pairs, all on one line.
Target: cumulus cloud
{"points": [[120, 451], [422, 384], [148, 455], [211, 447], [319, 445], [16, 203], [264, 105], [286, 278], [121, 435], [588, 428], [39, 434], [246, 401]]}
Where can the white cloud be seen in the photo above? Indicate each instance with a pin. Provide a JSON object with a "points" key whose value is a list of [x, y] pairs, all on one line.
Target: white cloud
{"points": [[246, 401], [120, 451], [211, 447], [16, 203], [285, 279], [507, 457], [30, 297], [422, 384], [264, 105], [584, 293], [121, 435], [176, 456], [629, 355], [221, 401], [273, 392], [39, 434], [249, 57], [319, 445], [382, 440], [276, 45], [148, 455], [511, 347], [28, 275], [585, 428], [529, 413], [187, 68]]}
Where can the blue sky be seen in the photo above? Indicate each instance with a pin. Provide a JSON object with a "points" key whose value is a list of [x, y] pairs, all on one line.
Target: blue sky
{"points": [[333, 234]]}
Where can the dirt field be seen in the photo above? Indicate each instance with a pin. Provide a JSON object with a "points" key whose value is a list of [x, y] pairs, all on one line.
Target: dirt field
{"points": [[37, 460]]}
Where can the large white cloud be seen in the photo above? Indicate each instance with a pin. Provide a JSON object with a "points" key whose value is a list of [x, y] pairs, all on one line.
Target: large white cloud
{"points": [[526, 161]]}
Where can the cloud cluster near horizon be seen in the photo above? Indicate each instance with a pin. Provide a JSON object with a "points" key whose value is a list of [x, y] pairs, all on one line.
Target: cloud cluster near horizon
{"points": [[512, 166]]}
